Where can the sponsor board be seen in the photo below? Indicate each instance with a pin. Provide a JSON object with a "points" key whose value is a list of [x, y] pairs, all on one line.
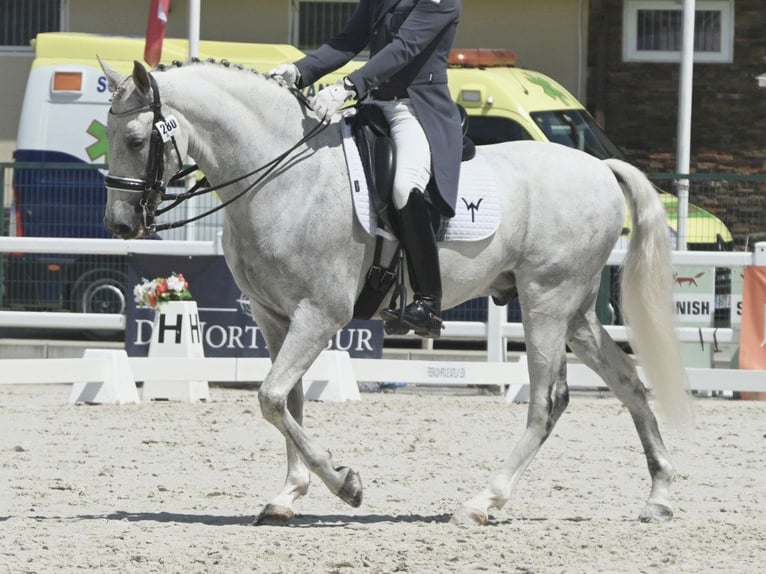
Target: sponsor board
{"points": [[226, 324], [694, 306]]}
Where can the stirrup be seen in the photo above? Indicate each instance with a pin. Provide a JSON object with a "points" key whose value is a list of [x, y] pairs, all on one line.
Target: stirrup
{"points": [[395, 327], [429, 324], [393, 320]]}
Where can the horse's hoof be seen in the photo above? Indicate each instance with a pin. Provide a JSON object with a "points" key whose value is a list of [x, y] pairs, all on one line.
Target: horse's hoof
{"points": [[656, 512], [468, 517], [274, 515], [351, 491]]}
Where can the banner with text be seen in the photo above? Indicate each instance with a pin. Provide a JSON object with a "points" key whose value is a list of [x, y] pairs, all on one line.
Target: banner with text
{"points": [[694, 297], [228, 328]]}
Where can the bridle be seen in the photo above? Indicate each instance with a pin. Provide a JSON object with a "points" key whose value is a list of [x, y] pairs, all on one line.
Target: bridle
{"points": [[152, 187]]}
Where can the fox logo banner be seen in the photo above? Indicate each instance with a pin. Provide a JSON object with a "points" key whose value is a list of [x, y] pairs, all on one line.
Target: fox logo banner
{"points": [[155, 31], [752, 353]]}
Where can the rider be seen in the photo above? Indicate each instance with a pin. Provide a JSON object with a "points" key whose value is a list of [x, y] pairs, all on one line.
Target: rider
{"points": [[406, 75]]}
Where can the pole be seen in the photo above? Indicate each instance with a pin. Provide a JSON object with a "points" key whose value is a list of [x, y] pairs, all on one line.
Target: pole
{"points": [[191, 207], [194, 24], [496, 316], [685, 119]]}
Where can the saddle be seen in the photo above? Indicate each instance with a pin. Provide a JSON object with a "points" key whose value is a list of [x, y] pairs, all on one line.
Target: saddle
{"points": [[372, 136]]}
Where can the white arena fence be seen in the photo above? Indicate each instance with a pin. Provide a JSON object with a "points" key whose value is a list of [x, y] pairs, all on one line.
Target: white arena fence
{"points": [[496, 371]]}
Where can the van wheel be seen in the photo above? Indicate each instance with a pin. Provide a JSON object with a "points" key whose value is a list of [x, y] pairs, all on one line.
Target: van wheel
{"points": [[100, 291]]}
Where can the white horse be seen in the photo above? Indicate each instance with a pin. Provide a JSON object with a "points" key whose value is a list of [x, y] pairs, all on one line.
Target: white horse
{"points": [[295, 248]]}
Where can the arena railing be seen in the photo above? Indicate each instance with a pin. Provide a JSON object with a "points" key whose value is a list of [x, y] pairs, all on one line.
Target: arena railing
{"points": [[496, 330], [745, 216]]}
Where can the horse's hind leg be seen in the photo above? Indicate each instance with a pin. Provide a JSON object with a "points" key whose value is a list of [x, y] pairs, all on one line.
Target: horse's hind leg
{"points": [[279, 509], [593, 345], [548, 399]]}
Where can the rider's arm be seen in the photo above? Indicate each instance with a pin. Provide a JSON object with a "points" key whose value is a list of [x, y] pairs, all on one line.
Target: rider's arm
{"points": [[427, 21]]}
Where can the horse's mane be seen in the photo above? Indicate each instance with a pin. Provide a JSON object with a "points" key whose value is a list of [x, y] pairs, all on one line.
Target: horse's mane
{"points": [[224, 62], [236, 76], [212, 62]]}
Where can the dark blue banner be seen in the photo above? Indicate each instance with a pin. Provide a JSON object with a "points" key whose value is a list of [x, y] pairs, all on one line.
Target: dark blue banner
{"points": [[228, 328]]}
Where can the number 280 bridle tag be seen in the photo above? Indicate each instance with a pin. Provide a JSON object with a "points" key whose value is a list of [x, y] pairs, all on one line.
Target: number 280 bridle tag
{"points": [[168, 127]]}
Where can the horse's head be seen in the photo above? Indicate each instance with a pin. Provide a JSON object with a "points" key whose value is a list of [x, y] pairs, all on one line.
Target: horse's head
{"points": [[144, 145]]}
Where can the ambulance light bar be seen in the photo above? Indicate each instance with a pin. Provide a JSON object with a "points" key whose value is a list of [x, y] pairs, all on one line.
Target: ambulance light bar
{"points": [[481, 58]]}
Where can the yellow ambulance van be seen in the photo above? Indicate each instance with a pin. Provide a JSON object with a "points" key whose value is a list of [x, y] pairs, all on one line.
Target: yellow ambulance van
{"points": [[63, 124]]}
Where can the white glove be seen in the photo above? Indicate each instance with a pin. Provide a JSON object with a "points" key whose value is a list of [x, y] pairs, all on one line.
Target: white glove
{"points": [[330, 99], [288, 74]]}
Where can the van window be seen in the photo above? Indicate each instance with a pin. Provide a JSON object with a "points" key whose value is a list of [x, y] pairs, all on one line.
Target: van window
{"points": [[576, 129], [485, 130]]}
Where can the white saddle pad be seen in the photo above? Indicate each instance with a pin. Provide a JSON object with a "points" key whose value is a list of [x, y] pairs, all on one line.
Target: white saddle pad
{"points": [[477, 212]]}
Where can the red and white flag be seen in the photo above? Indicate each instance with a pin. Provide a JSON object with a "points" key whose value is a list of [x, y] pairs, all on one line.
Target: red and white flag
{"points": [[155, 31]]}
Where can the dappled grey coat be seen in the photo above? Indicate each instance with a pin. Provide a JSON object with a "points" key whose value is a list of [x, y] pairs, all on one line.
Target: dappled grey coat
{"points": [[410, 41]]}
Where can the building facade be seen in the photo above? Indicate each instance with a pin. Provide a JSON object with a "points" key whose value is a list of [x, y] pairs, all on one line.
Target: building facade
{"points": [[548, 36], [634, 95]]}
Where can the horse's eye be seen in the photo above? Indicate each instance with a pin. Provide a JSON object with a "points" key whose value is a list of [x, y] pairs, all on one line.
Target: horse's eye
{"points": [[136, 143]]}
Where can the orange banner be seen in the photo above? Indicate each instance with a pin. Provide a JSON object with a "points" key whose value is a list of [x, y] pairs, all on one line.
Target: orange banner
{"points": [[752, 339]]}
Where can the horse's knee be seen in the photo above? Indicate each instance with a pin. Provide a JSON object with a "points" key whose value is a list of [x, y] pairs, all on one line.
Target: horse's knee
{"points": [[273, 405]]}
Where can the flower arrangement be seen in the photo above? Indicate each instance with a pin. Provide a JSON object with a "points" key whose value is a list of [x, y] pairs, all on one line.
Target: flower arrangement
{"points": [[161, 289]]}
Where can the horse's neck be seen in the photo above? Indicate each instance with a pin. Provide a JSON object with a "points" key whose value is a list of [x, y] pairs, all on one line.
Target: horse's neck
{"points": [[238, 121]]}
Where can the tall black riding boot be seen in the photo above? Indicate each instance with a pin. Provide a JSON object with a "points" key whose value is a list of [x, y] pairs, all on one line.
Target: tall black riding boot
{"points": [[423, 315]]}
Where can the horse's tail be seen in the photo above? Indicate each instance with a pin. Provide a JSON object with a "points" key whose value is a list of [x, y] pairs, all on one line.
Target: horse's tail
{"points": [[647, 294]]}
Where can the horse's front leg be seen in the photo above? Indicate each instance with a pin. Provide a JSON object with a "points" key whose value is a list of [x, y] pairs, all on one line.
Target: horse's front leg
{"points": [[279, 510], [307, 336]]}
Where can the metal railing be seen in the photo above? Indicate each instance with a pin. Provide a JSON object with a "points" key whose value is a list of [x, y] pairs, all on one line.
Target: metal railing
{"points": [[66, 200]]}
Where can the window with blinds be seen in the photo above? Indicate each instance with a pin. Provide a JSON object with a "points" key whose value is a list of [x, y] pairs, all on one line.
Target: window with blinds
{"points": [[653, 31], [320, 20], [22, 20]]}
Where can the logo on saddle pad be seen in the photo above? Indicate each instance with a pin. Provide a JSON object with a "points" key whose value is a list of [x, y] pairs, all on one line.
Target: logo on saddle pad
{"points": [[473, 208], [477, 188]]}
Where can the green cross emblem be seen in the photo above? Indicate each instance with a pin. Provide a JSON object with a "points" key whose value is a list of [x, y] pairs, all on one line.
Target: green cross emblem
{"points": [[548, 89], [100, 147]]}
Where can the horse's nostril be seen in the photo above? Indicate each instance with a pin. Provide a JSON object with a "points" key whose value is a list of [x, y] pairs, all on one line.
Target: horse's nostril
{"points": [[122, 230]]}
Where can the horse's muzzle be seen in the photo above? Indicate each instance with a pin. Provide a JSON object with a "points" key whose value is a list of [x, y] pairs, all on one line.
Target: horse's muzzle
{"points": [[123, 220]]}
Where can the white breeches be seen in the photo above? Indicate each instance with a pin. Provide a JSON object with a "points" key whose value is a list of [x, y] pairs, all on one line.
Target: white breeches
{"points": [[411, 149]]}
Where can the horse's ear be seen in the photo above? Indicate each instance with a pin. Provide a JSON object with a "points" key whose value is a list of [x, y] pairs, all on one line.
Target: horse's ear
{"points": [[113, 78], [141, 78]]}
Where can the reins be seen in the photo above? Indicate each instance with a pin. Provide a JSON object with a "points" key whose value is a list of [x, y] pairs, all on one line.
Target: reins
{"points": [[270, 166], [153, 188]]}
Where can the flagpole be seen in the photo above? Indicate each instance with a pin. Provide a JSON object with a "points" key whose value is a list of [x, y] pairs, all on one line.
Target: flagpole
{"points": [[194, 25]]}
